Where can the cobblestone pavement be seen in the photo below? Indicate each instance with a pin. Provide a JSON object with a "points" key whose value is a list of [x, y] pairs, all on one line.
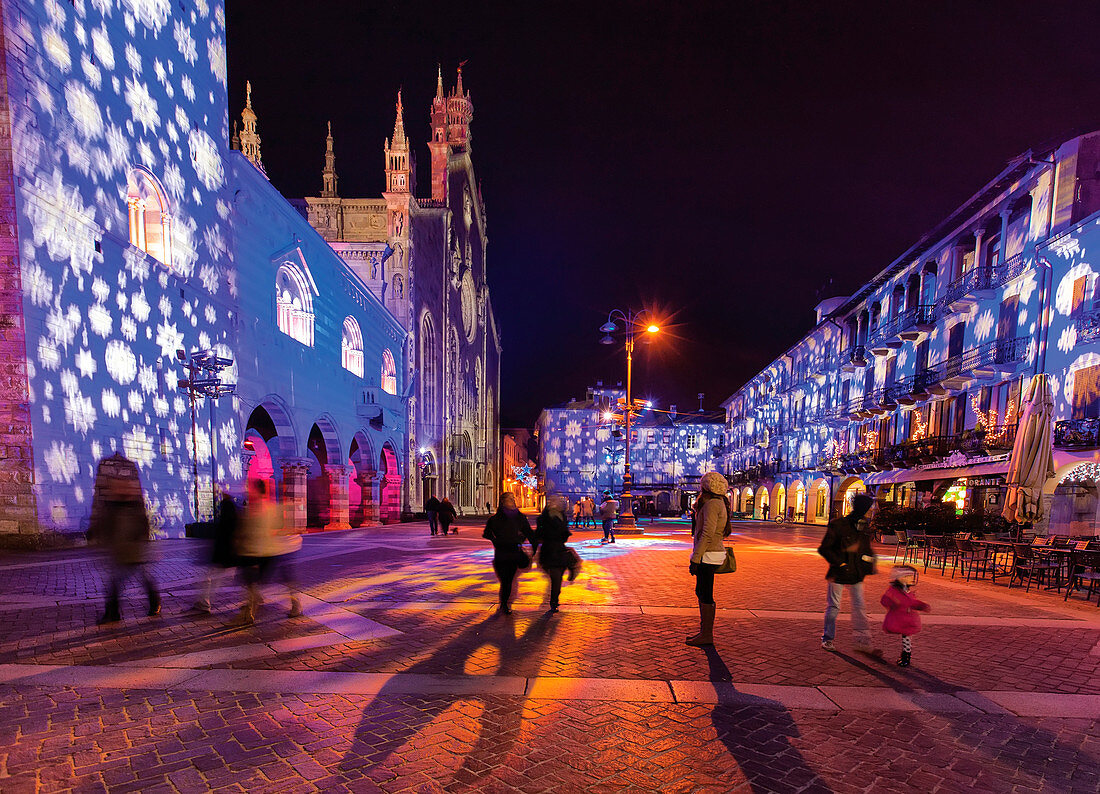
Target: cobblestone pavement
{"points": [[401, 677]]}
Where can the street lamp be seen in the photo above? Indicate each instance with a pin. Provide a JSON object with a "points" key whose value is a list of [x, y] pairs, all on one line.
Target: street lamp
{"points": [[633, 323]]}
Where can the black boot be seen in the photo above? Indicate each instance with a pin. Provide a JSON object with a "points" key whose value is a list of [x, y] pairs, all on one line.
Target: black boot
{"points": [[110, 615], [906, 656], [154, 597]]}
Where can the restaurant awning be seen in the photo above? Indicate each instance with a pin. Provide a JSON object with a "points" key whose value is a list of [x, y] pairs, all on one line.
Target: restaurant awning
{"points": [[946, 473]]}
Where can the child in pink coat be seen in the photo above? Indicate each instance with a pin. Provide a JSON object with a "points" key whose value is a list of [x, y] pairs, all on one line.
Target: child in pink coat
{"points": [[902, 606]]}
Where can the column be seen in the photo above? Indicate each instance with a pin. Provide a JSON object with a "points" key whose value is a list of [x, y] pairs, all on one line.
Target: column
{"points": [[338, 496], [370, 499], [377, 483], [295, 471], [979, 234], [1004, 236]]}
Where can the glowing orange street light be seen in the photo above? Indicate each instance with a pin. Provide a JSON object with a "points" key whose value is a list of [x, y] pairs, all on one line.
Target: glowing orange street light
{"points": [[632, 323]]}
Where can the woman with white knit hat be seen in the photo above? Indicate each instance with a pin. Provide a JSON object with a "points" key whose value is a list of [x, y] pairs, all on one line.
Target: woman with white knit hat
{"points": [[710, 524]]}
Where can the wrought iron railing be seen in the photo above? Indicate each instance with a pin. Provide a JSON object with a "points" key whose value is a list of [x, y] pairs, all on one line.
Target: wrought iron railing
{"points": [[1077, 433], [1088, 328]]}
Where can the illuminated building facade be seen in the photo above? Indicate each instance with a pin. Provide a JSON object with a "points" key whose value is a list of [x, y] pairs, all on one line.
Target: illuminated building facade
{"points": [[911, 387], [136, 233], [582, 451], [424, 258], [519, 469]]}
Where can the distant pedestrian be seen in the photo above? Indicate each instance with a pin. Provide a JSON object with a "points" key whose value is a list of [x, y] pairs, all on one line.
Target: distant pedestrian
{"points": [[710, 524], [764, 510], [223, 553], [609, 510], [590, 512], [431, 508], [447, 516], [847, 548], [902, 606], [508, 529], [120, 523], [551, 533], [577, 510]]}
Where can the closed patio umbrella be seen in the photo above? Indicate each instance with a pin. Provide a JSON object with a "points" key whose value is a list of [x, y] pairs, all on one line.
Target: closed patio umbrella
{"points": [[1032, 461]]}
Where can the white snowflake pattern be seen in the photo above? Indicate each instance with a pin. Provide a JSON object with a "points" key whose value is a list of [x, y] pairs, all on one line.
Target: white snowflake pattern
{"points": [[186, 42], [206, 159], [57, 50], [128, 329], [150, 13], [138, 447], [1067, 340], [84, 110], [79, 412], [99, 319], [62, 462], [215, 50], [85, 362], [135, 401], [101, 46], [169, 339], [121, 362], [139, 306], [61, 222], [48, 355], [143, 107], [111, 404], [208, 275], [37, 284]]}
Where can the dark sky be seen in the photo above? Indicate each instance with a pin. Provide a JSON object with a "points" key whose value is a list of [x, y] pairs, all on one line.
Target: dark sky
{"points": [[716, 162]]}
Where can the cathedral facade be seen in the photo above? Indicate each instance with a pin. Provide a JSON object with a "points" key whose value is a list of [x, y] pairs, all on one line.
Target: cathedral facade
{"points": [[423, 257]]}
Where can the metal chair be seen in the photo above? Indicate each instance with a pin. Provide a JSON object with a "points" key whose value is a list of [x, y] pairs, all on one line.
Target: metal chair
{"points": [[1028, 565], [902, 541], [1085, 570], [970, 558]]}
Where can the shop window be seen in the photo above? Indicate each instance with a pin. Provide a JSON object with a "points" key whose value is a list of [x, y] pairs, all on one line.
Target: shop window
{"points": [[1080, 290], [351, 347], [293, 305], [389, 373], [150, 222], [1086, 393]]}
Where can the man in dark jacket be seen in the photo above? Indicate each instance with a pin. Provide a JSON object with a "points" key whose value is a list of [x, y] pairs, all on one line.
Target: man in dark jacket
{"points": [[431, 507], [847, 548]]}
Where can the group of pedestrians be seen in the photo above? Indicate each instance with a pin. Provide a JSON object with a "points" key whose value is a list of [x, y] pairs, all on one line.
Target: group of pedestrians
{"points": [[846, 547], [441, 514], [508, 530], [257, 542]]}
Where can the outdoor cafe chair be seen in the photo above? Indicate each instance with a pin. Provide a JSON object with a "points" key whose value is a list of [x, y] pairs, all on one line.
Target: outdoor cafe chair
{"points": [[1028, 565], [936, 550], [971, 558], [1085, 572], [901, 542]]}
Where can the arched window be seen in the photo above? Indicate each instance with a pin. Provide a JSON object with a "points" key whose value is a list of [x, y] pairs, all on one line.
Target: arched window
{"points": [[427, 369], [389, 373], [351, 347], [293, 304], [150, 223]]}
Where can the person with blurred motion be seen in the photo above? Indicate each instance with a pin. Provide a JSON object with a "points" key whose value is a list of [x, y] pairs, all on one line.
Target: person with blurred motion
{"points": [[551, 533], [847, 548], [447, 516], [508, 529], [223, 552], [120, 523], [709, 526], [266, 548]]}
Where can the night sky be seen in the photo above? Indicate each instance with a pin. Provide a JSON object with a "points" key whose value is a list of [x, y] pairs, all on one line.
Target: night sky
{"points": [[718, 163]]}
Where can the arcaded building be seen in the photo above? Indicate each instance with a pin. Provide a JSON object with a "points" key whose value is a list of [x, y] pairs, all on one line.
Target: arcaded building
{"points": [[911, 389], [424, 257]]}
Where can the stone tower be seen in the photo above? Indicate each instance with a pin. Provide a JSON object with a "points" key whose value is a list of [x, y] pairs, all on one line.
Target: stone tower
{"points": [[400, 197], [250, 140], [450, 117], [328, 176]]}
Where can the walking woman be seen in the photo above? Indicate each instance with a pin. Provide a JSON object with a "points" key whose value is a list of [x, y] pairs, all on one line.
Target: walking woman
{"points": [[508, 529], [551, 532], [710, 524]]}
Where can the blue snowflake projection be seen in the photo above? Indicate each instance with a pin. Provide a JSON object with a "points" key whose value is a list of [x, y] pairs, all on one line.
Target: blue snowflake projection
{"points": [[118, 91]]}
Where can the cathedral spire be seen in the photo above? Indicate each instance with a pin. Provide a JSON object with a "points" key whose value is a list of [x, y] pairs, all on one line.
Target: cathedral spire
{"points": [[399, 123], [439, 81], [250, 140], [458, 87], [328, 176]]}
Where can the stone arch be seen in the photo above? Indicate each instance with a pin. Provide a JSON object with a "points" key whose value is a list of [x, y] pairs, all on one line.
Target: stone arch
{"points": [[778, 500], [796, 495], [842, 497], [748, 500], [761, 503], [323, 456], [389, 497], [818, 507], [362, 469], [271, 423]]}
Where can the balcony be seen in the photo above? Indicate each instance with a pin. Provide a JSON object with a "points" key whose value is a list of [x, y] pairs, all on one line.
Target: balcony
{"points": [[857, 358], [978, 284], [1077, 434], [1088, 329], [967, 290], [998, 359]]}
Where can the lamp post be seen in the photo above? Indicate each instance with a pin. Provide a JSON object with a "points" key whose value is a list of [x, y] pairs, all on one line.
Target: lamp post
{"points": [[633, 323]]}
